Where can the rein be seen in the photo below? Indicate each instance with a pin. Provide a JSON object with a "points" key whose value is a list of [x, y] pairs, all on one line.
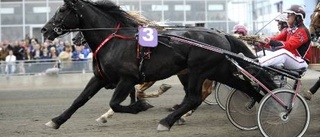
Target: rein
{"points": [[60, 30], [208, 47]]}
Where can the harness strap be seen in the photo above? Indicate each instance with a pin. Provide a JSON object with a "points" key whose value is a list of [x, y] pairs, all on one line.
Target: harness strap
{"points": [[108, 38]]}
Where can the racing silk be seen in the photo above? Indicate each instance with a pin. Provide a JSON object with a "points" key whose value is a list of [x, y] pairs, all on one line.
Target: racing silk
{"points": [[297, 41]]}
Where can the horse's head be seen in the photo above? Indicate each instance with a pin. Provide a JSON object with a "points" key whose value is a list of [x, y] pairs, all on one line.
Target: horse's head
{"points": [[315, 23], [83, 14], [66, 17]]}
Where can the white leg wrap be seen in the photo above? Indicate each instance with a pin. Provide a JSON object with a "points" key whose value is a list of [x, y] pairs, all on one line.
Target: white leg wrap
{"points": [[103, 118]]}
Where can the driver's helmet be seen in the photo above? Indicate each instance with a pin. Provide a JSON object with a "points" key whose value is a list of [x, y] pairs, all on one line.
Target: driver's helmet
{"points": [[297, 10], [281, 18], [282, 21], [240, 29]]}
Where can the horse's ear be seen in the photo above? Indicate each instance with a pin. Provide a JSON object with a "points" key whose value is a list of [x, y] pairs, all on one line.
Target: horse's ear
{"points": [[70, 2]]}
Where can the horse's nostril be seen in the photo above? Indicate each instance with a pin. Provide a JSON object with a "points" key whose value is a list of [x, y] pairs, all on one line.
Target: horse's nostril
{"points": [[43, 30]]}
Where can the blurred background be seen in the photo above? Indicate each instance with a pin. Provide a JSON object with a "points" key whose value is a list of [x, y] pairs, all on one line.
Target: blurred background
{"points": [[21, 17]]}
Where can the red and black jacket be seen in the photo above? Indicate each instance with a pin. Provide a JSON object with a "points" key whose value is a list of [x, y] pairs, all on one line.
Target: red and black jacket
{"points": [[297, 41]]}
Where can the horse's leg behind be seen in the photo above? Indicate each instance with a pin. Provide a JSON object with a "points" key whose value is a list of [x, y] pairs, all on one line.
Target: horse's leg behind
{"points": [[109, 114], [183, 78], [92, 87], [142, 87], [139, 89], [206, 91], [121, 93], [191, 101], [206, 88]]}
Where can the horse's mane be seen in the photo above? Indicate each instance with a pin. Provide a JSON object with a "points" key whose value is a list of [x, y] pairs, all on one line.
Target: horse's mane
{"points": [[132, 18], [239, 46], [115, 12]]}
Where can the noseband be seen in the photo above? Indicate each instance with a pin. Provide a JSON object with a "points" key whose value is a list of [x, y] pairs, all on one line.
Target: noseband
{"points": [[59, 29]]}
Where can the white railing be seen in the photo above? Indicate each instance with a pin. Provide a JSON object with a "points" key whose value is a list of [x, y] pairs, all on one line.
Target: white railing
{"points": [[42, 66]]}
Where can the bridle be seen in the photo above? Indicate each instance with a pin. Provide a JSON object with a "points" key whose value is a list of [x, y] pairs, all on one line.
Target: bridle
{"points": [[59, 29]]}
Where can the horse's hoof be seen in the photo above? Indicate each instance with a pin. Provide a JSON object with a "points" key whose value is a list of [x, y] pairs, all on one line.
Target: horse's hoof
{"points": [[181, 121], [146, 105], [101, 120], [161, 128], [53, 125], [165, 87]]}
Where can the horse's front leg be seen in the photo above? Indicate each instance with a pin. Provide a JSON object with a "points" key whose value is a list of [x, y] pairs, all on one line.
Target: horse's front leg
{"points": [[120, 95], [191, 102], [109, 114], [103, 118], [93, 86]]}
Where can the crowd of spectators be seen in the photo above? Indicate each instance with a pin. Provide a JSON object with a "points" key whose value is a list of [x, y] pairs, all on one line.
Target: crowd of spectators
{"points": [[31, 50]]}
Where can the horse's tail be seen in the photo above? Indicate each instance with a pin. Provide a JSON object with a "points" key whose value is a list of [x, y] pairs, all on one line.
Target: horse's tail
{"points": [[238, 46]]}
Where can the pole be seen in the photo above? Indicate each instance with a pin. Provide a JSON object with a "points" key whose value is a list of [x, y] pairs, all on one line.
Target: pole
{"points": [[266, 25]]}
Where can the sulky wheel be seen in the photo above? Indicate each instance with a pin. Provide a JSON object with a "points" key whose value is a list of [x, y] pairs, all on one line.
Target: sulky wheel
{"points": [[274, 120], [222, 92], [242, 110]]}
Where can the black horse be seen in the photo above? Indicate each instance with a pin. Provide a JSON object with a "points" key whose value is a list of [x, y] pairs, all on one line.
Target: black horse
{"points": [[111, 34]]}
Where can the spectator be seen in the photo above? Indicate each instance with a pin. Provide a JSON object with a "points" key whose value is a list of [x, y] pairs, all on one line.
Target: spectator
{"points": [[28, 55], [37, 52], [4, 50], [10, 63], [65, 57], [32, 43], [20, 54], [45, 54], [58, 45], [66, 54], [45, 45], [80, 53], [53, 53]]}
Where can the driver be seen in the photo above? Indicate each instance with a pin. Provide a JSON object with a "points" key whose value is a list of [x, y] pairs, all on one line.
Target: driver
{"points": [[292, 44], [282, 22], [240, 30]]}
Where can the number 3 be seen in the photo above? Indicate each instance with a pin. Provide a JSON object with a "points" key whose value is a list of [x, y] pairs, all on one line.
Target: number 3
{"points": [[149, 34]]}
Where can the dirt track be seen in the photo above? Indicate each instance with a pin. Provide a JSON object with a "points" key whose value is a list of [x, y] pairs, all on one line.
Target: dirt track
{"points": [[24, 113]]}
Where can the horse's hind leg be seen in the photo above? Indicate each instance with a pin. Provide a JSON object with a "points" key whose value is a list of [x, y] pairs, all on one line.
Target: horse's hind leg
{"points": [[142, 87], [93, 86], [206, 88], [191, 101], [206, 91], [183, 78]]}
